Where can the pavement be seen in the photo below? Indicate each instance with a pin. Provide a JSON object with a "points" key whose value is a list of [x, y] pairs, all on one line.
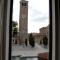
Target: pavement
{"points": [[28, 51]]}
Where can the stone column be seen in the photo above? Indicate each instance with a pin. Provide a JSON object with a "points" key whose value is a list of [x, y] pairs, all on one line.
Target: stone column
{"points": [[1, 26], [4, 28]]}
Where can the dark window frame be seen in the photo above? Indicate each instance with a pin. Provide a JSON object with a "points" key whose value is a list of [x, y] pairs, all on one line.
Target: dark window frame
{"points": [[50, 29]]}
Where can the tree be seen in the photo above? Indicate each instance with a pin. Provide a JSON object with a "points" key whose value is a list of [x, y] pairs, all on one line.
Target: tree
{"points": [[14, 28], [45, 41], [14, 24], [15, 31], [31, 40], [40, 42]]}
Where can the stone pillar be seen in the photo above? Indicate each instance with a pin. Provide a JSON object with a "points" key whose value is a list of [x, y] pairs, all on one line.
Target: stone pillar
{"points": [[4, 28], [1, 26]]}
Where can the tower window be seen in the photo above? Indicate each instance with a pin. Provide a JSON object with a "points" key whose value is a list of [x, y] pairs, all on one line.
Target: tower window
{"points": [[24, 4]]}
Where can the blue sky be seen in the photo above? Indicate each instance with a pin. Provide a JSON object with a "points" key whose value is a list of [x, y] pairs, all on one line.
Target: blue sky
{"points": [[38, 14]]}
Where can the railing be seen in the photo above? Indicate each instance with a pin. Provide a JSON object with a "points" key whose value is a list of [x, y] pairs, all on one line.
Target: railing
{"points": [[26, 58]]}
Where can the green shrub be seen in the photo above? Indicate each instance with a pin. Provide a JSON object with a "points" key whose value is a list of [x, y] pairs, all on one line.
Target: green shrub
{"points": [[31, 40], [45, 41]]}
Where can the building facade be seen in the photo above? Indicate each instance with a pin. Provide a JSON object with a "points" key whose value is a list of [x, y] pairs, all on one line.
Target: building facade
{"points": [[44, 32]]}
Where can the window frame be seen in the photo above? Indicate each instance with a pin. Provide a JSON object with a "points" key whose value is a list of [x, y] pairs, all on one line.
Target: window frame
{"points": [[50, 29]]}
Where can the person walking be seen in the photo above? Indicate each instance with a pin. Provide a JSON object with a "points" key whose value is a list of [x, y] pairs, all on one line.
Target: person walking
{"points": [[26, 42]]}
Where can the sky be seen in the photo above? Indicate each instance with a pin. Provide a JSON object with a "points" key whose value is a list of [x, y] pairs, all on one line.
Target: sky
{"points": [[38, 14]]}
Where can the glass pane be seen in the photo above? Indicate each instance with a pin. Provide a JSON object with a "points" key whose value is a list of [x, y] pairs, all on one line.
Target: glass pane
{"points": [[30, 29], [15, 58]]}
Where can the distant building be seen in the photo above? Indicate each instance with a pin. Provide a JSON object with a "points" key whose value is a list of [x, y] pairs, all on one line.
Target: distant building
{"points": [[44, 32], [39, 37], [16, 39]]}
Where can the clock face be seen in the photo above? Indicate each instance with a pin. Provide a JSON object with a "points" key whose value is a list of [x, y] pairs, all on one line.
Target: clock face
{"points": [[24, 4]]}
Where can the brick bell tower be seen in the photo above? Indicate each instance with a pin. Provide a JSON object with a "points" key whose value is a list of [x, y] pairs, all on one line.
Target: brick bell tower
{"points": [[23, 21]]}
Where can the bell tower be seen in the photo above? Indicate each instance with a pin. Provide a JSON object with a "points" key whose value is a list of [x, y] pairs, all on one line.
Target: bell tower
{"points": [[23, 20]]}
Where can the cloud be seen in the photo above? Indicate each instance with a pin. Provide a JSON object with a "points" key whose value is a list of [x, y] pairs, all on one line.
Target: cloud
{"points": [[37, 16], [33, 13], [41, 19]]}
